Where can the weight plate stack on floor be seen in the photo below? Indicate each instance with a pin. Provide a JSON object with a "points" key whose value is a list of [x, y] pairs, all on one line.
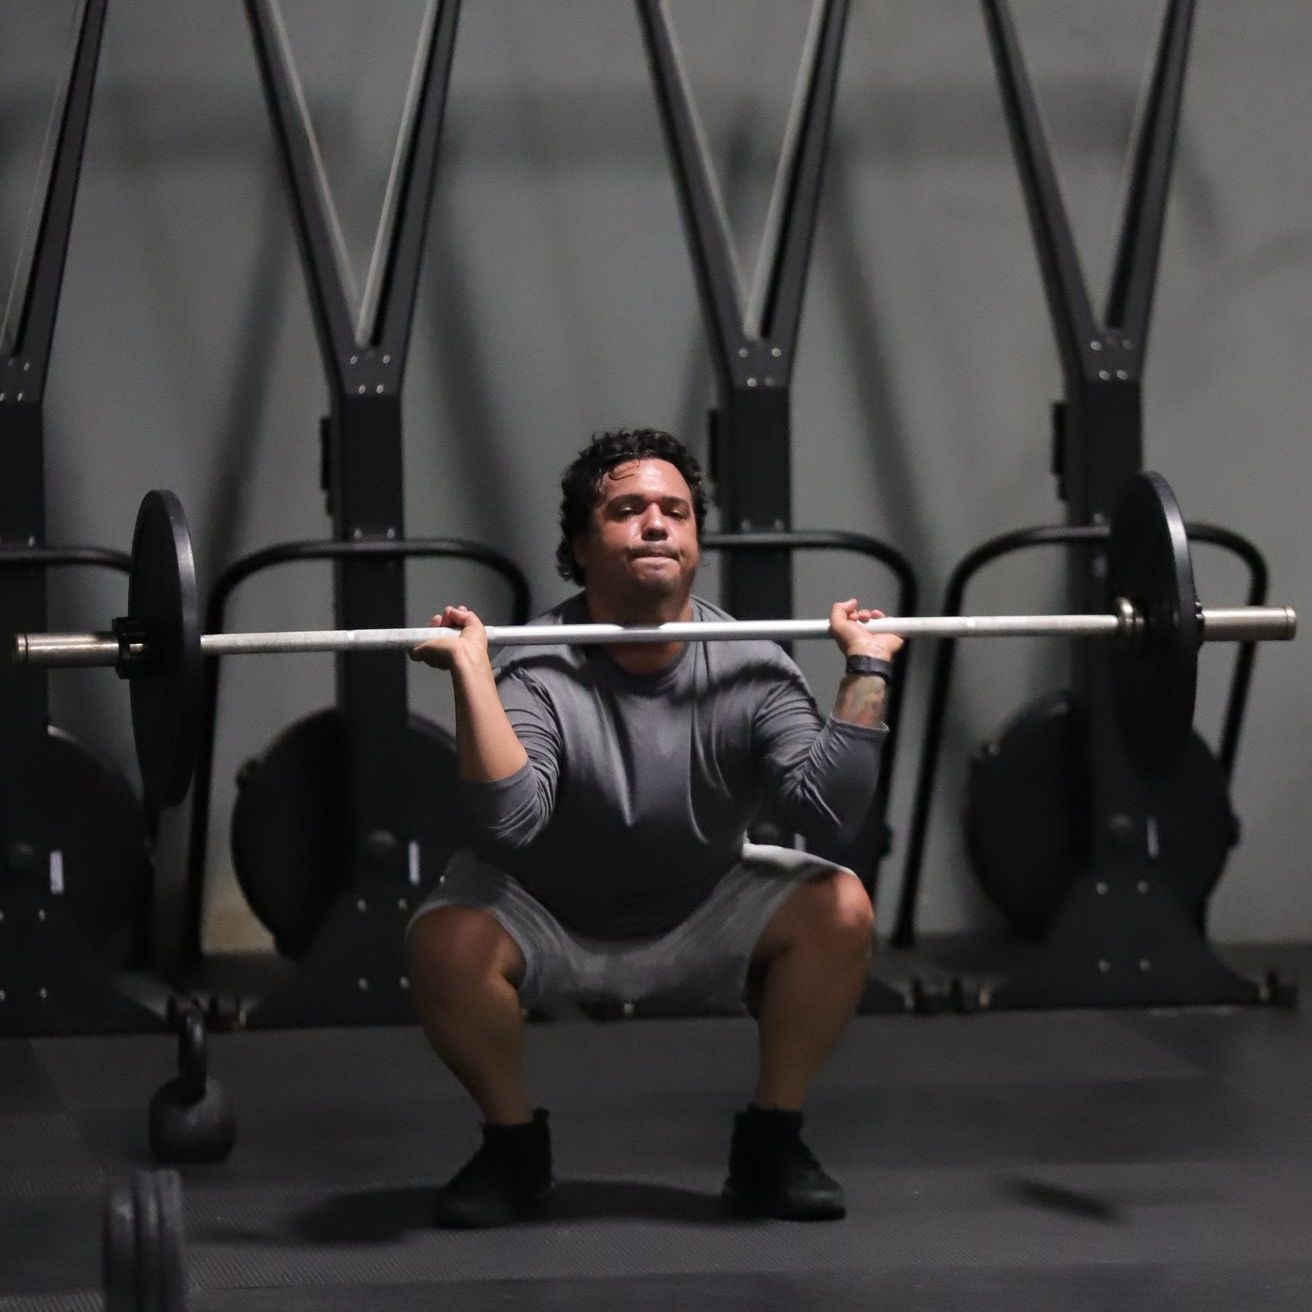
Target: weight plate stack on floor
{"points": [[142, 1244]]}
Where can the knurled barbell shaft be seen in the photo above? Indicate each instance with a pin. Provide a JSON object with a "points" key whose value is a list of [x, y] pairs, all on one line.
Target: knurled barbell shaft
{"points": [[1237, 624]]}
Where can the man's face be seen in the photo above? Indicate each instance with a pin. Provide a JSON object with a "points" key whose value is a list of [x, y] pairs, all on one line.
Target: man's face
{"points": [[642, 542]]}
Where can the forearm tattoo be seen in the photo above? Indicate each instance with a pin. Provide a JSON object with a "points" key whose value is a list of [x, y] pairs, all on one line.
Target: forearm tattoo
{"points": [[861, 699]]}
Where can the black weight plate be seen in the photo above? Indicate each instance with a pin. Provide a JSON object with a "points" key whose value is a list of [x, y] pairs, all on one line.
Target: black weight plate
{"points": [[118, 1249], [1154, 675], [1027, 825], [99, 831], [166, 694], [289, 841]]}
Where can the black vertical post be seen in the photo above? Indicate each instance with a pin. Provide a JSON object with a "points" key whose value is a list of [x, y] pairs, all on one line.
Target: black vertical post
{"points": [[367, 499], [24, 702], [24, 710], [753, 470]]}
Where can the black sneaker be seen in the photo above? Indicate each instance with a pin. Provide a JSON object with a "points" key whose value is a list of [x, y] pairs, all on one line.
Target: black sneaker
{"points": [[773, 1173], [507, 1179]]}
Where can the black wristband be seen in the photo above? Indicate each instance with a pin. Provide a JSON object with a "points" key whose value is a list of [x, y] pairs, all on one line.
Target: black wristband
{"points": [[870, 665]]}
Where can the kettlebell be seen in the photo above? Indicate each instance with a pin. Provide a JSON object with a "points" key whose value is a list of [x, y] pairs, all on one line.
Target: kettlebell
{"points": [[189, 1116]]}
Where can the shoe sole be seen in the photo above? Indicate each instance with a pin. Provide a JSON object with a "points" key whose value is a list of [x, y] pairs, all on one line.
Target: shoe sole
{"points": [[489, 1220], [741, 1205]]}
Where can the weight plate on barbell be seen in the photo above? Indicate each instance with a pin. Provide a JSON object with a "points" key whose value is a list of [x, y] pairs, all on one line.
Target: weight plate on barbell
{"points": [[1154, 674], [166, 691]]}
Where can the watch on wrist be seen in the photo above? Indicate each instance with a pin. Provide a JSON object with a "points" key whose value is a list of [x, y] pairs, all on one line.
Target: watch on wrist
{"points": [[870, 665]]}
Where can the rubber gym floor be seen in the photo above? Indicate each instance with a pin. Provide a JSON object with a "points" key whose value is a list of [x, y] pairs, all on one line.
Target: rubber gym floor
{"points": [[1068, 1159]]}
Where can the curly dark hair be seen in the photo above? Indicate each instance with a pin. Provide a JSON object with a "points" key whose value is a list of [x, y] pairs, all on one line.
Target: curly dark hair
{"points": [[580, 484]]}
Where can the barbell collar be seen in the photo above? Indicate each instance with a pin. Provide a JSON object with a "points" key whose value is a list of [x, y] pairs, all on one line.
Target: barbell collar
{"points": [[1242, 624]]}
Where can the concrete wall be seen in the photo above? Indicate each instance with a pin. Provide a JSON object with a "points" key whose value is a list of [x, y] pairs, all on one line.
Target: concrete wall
{"points": [[557, 299]]}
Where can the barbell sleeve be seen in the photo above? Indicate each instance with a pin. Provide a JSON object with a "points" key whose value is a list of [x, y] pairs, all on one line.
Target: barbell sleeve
{"points": [[1243, 624], [65, 650], [1249, 624]]}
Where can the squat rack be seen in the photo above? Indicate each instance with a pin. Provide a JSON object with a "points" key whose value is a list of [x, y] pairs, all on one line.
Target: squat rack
{"points": [[354, 972], [1121, 937]]}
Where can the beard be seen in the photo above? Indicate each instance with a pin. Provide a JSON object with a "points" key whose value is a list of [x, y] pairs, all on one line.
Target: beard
{"points": [[647, 594], [658, 581]]}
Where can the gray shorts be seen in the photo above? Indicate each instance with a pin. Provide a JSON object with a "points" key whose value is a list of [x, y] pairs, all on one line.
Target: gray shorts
{"points": [[700, 963]]}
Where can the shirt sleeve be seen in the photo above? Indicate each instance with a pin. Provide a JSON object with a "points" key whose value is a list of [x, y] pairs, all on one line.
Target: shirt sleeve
{"points": [[513, 811], [818, 775]]}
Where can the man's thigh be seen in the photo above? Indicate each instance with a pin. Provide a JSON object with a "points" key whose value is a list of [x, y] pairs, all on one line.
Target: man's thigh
{"points": [[451, 942], [701, 963], [542, 944]]}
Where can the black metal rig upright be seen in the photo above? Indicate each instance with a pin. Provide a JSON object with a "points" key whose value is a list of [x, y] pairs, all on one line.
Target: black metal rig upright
{"points": [[364, 358], [753, 339], [1121, 936], [51, 981]]}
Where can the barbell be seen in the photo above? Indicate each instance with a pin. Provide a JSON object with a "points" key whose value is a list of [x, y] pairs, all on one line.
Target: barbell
{"points": [[1154, 620]]}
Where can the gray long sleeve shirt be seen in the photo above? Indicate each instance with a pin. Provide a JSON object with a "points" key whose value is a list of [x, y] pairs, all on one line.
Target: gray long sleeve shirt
{"points": [[639, 789]]}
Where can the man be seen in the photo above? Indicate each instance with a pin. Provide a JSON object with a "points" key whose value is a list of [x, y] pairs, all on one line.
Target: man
{"points": [[608, 792]]}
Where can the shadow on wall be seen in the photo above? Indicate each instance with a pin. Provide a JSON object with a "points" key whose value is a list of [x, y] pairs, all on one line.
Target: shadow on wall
{"points": [[475, 443], [235, 434]]}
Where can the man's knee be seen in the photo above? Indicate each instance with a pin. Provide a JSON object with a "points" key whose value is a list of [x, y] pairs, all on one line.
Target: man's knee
{"points": [[852, 907], [453, 948], [832, 908], [844, 908]]}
